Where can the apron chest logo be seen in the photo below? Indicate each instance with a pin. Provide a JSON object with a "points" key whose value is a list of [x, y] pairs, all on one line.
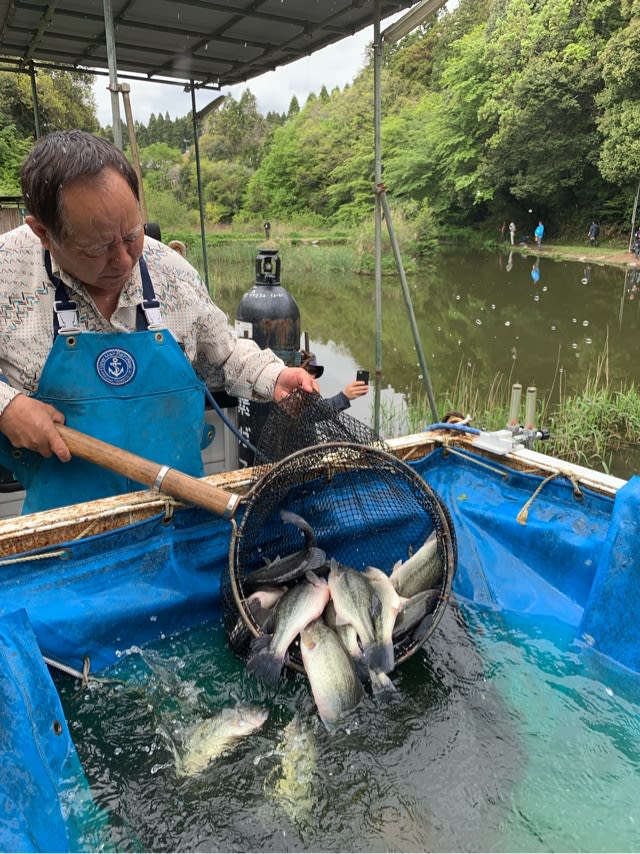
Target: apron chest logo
{"points": [[115, 366]]}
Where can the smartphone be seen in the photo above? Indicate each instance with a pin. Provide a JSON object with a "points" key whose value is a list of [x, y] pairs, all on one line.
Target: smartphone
{"points": [[363, 376]]}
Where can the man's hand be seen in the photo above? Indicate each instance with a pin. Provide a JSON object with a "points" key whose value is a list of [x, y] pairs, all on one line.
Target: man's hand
{"points": [[290, 379], [29, 423]]}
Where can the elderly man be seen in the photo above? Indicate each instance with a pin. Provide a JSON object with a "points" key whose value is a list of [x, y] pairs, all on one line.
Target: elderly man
{"points": [[107, 330]]}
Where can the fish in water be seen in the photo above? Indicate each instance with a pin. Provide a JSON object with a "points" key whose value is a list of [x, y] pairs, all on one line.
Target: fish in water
{"points": [[335, 685], [416, 614], [422, 571], [357, 603], [385, 619], [292, 567], [212, 737], [301, 604], [293, 784]]}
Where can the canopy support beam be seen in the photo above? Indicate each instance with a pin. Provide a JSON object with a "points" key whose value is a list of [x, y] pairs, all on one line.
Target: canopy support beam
{"points": [[113, 73]]}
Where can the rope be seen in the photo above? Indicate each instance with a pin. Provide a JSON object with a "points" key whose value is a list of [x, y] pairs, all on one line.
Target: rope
{"points": [[523, 515], [9, 560], [70, 671], [577, 493]]}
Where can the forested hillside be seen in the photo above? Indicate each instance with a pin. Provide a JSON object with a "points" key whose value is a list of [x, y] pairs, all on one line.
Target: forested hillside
{"points": [[495, 110]]}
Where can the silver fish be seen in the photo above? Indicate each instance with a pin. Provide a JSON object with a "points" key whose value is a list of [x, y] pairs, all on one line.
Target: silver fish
{"points": [[212, 737], [357, 603], [385, 620], [422, 571], [380, 682], [416, 614], [260, 605], [334, 683], [292, 567], [301, 604]]}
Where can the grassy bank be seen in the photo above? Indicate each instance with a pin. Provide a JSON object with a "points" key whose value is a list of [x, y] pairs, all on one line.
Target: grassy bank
{"points": [[587, 428]]}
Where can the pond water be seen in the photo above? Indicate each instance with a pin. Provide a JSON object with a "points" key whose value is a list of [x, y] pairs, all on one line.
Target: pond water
{"points": [[503, 736], [478, 311]]}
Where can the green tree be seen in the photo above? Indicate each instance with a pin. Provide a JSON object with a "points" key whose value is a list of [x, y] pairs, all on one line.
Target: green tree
{"points": [[12, 152], [235, 132], [294, 107], [543, 143], [619, 101], [65, 100]]}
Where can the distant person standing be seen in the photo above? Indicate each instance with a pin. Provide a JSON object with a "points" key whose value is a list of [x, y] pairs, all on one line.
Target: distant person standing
{"points": [[512, 232], [594, 233], [539, 233]]}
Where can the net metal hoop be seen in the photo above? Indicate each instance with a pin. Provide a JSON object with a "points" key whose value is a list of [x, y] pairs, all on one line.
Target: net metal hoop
{"points": [[367, 508]]}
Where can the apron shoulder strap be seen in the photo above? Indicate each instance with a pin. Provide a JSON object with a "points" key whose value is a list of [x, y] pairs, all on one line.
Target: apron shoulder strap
{"points": [[148, 314], [65, 310]]}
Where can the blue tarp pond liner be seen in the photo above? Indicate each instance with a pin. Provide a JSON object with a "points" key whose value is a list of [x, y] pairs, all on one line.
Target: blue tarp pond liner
{"points": [[571, 559]]}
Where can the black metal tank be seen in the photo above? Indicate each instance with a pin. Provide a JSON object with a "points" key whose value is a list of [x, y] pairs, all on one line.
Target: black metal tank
{"points": [[269, 315]]}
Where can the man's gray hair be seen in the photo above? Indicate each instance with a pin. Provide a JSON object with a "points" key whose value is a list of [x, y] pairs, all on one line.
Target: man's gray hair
{"points": [[60, 158]]}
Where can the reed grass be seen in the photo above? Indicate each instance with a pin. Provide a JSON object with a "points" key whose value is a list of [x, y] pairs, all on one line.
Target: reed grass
{"points": [[586, 427]]}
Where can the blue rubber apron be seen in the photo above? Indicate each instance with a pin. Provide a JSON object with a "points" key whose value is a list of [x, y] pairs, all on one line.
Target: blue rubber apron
{"points": [[135, 390]]}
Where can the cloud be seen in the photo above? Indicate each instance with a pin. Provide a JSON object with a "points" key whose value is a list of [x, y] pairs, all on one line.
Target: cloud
{"points": [[336, 65]]}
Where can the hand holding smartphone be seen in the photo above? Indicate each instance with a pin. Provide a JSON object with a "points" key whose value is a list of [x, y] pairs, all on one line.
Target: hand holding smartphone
{"points": [[362, 376]]}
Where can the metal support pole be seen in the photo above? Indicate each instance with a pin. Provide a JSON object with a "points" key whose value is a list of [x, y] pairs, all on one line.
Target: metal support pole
{"points": [[409, 304], [203, 235], [125, 89], [633, 218], [34, 99], [377, 111], [113, 72]]}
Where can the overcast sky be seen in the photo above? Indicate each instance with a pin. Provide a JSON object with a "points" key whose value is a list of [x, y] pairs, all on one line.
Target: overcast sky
{"points": [[335, 65]]}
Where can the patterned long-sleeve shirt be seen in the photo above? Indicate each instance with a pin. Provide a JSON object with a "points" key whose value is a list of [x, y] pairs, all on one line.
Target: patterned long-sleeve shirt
{"points": [[200, 327]]}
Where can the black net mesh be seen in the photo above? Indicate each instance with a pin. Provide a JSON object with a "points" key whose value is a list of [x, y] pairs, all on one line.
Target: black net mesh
{"points": [[366, 508], [304, 419]]}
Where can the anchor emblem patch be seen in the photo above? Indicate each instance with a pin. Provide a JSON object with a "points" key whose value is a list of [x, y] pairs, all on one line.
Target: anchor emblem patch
{"points": [[115, 366]]}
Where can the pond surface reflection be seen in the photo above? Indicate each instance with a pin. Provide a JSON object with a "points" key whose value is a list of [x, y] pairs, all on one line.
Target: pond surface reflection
{"points": [[482, 311]]}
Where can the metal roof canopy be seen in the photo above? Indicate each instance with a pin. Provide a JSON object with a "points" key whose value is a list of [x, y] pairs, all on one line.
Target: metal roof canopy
{"points": [[207, 44]]}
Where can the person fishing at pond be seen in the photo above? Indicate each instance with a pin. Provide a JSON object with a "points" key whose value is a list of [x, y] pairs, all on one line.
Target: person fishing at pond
{"points": [[108, 330], [341, 400], [594, 233], [539, 233]]}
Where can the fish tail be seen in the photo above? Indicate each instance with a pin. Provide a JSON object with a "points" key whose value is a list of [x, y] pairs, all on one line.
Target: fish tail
{"points": [[266, 666], [380, 657], [381, 685], [422, 629], [361, 668], [293, 519]]}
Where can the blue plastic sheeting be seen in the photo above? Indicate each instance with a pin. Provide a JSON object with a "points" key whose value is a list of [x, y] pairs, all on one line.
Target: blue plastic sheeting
{"points": [[612, 614], [544, 567], [44, 789], [97, 596], [105, 593]]}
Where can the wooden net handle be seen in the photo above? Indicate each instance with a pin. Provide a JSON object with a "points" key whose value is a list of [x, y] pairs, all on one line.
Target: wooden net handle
{"points": [[170, 481]]}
